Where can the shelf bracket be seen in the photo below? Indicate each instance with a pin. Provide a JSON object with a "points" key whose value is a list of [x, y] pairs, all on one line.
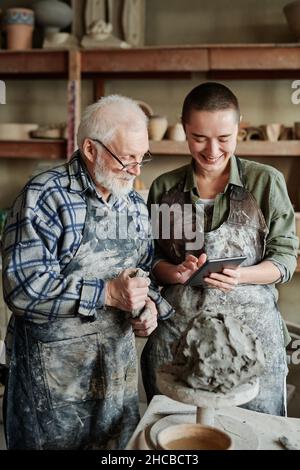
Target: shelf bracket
{"points": [[74, 100]]}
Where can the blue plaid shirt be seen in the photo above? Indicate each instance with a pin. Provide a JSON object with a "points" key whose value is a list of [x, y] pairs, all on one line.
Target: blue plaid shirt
{"points": [[42, 234]]}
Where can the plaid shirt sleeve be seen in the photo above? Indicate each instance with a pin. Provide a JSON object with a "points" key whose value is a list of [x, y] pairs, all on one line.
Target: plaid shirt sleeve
{"points": [[34, 282], [164, 309]]}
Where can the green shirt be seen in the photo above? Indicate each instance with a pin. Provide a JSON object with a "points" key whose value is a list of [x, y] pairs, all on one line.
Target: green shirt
{"points": [[268, 187]]}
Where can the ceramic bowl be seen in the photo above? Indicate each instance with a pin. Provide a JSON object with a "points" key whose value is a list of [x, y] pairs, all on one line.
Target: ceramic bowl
{"points": [[15, 131], [193, 437]]}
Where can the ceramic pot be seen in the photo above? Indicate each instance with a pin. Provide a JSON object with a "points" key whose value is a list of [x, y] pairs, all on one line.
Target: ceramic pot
{"points": [[176, 132], [292, 14], [272, 131], [53, 15], [19, 23], [193, 437], [157, 127]]}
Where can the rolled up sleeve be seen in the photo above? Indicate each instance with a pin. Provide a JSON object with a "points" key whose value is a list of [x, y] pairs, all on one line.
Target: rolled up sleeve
{"points": [[282, 243]]}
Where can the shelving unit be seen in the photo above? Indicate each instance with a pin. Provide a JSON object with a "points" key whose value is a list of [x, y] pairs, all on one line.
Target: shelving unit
{"points": [[217, 60], [236, 61]]}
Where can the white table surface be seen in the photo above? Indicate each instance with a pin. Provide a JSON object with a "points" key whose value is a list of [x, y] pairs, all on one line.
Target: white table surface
{"points": [[268, 428]]}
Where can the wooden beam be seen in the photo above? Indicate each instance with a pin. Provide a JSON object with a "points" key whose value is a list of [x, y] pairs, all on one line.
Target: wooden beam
{"points": [[36, 61], [45, 149], [254, 57], [147, 59], [74, 100]]}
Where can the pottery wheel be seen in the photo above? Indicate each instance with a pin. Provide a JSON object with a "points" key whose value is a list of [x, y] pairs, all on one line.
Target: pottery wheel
{"points": [[242, 434], [205, 401], [170, 385]]}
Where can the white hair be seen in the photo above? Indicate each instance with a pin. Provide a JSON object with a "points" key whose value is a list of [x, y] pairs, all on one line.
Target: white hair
{"points": [[101, 120]]}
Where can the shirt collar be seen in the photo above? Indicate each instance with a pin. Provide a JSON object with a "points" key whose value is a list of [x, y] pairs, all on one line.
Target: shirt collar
{"points": [[81, 181], [190, 176]]}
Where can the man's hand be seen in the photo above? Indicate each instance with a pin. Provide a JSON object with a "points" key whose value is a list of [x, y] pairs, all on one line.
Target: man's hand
{"points": [[147, 321], [188, 267], [127, 293]]}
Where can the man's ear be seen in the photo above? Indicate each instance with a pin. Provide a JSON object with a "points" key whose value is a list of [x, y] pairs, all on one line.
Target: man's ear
{"points": [[89, 150]]}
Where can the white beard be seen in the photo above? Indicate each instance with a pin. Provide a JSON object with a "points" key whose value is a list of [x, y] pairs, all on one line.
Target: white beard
{"points": [[118, 186]]}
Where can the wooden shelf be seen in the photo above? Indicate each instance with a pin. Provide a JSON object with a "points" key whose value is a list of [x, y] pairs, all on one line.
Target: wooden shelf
{"points": [[233, 59], [254, 148], [43, 149], [34, 62], [56, 149]]}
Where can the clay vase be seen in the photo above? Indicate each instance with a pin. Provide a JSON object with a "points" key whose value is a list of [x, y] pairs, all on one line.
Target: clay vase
{"points": [[292, 14], [157, 127], [19, 23], [53, 15], [272, 131], [176, 132]]}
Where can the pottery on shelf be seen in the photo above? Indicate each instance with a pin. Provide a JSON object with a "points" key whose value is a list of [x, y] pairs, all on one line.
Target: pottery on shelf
{"points": [[157, 127], [16, 131], [292, 14], [176, 132], [272, 131], [145, 107], [54, 15], [19, 23]]}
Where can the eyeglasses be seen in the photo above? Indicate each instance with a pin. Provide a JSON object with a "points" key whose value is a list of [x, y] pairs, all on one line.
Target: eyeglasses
{"points": [[127, 166]]}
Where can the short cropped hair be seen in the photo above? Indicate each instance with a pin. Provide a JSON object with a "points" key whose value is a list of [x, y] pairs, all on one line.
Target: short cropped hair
{"points": [[209, 96], [102, 119]]}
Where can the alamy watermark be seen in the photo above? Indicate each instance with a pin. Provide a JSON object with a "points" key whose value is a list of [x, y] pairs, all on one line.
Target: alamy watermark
{"points": [[175, 222], [2, 92], [294, 353], [295, 97]]}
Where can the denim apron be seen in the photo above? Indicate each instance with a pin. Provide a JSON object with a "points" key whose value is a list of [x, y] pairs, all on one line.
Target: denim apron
{"points": [[243, 233], [73, 381]]}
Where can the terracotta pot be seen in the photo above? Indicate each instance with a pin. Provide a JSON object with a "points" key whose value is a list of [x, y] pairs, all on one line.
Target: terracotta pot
{"points": [[193, 437], [292, 14], [19, 23]]}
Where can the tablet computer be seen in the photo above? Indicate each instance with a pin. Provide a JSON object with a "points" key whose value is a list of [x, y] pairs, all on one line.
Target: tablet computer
{"points": [[213, 266]]}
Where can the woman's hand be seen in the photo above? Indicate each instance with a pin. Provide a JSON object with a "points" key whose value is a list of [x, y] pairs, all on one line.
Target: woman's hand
{"points": [[188, 267], [225, 281]]}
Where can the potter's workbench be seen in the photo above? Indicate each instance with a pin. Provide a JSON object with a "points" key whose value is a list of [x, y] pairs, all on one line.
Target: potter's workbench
{"points": [[268, 428]]}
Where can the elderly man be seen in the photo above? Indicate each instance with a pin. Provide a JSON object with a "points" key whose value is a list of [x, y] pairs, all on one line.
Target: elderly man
{"points": [[72, 243]]}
